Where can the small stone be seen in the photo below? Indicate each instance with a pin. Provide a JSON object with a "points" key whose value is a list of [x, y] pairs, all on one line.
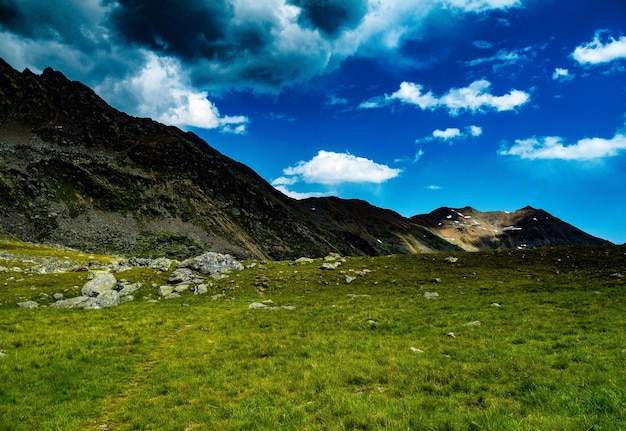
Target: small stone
{"points": [[430, 295], [349, 279], [218, 296], [451, 335], [257, 306], [474, 323], [288, 307], [435, 280], [416, 350], [28, 304], [181, 288], [57, 296], [172, 295], [2, 354], [330, 266], [200, 289], [165, 290], [495, 304], [372, 322]]}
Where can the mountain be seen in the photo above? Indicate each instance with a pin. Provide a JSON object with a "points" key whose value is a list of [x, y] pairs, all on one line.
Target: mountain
{"points": [[75, 171], [528, 227], [379, 231]]}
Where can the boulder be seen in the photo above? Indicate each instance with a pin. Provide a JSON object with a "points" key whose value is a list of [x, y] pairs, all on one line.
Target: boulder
{"points": [[100, 281], [125, 288], [76, 302], [165, 290], [108, 298], [209, 263], [163, 264], [200, 289], [28, 304], [185, 276]]}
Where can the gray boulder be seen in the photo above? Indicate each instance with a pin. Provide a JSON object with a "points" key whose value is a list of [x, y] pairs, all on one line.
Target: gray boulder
{"points": [[100, 281], [125, 288], [109, 298], [77, 302], [165, 290], [200, 289], [209, 263], [28, 304], [185, 276]]}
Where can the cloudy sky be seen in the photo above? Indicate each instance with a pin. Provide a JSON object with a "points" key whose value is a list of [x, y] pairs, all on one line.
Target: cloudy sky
{"points": [[408, 104]]}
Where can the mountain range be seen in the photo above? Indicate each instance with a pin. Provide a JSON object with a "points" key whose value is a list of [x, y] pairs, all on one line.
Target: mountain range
{"points": [[75, 171]]}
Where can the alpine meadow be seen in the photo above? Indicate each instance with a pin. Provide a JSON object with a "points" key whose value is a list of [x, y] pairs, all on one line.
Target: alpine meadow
{"points": [[502, 340]]}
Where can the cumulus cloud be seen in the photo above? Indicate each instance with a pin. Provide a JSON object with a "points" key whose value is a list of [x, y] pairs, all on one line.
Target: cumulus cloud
{"points": [[561, 74], [475, 98], [452, 133], [598, 51], [330, 168], [553, 147], [474, 131], [220, 45], [162, 92], [449, 133]]}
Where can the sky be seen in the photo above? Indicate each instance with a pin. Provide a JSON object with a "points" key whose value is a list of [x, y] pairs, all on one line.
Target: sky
{"points": [[408, 104]]}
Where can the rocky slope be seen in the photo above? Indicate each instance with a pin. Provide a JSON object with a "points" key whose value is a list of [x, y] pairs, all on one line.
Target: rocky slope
{"points": [[77, 172], [528, 227]]}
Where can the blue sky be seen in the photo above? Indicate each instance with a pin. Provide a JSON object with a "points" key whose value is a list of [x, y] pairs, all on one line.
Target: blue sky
{"points": [[408, 104]]}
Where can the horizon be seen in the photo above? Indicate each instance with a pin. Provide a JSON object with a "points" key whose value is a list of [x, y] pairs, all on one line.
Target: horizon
{"points": [[410, 106]]}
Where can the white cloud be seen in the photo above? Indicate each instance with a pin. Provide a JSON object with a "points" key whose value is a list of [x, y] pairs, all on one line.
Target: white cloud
{"points": [[449, 133], [298, 195], [284, 181], [433, 187], [502, 58], [331, 168], [475, 131], [598, 52], [475, 97], [561, 74], [552, 147], [161, 91], [482, 5]]}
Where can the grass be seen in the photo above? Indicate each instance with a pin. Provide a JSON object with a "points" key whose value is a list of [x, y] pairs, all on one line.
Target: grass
{"points": [[552, 356]]}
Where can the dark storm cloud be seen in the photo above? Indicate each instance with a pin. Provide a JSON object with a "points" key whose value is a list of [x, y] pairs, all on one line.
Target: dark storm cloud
{"points": [[189, 29], [331, 16], [10, 16]]}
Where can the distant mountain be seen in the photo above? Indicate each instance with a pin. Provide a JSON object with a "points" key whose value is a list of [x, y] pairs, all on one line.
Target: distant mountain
{"points": [[528, 227], [379, 231], [77, 172]]}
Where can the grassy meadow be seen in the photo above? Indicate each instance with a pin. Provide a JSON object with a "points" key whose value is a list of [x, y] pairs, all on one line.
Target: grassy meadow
{"points": [[515, 340]]}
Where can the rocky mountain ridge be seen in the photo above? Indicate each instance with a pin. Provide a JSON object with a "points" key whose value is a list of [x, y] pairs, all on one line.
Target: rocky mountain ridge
{"points": [[77, 172]]}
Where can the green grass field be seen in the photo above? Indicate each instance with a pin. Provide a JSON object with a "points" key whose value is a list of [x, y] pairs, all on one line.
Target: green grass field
{"points": [[372, 354]]}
